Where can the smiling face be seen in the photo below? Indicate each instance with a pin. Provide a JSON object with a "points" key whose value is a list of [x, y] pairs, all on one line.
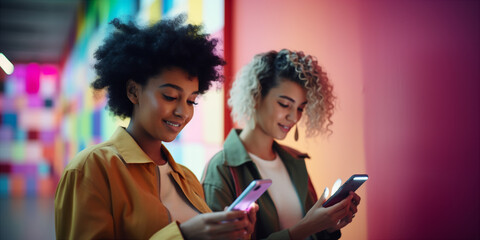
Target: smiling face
{"points": [[164, 106], [280, 109]]}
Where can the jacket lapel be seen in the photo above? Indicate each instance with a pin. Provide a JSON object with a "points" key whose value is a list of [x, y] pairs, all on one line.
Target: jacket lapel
{"points": [[177, 173]]}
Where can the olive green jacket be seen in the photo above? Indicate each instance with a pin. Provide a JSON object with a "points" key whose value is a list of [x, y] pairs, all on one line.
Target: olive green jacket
{"points": [[220, 189]]}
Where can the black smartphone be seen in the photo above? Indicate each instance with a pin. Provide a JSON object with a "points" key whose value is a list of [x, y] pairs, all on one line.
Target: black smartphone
{"points": [[253, 191], [352, 184]]}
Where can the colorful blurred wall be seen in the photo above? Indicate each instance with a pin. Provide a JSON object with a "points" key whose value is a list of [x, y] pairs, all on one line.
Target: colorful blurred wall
{"points": [[28, 130], [407, 78]]}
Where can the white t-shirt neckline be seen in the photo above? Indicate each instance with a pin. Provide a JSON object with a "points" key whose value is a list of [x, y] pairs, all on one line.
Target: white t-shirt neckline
{"points": [[172, 197], [282, 191]]}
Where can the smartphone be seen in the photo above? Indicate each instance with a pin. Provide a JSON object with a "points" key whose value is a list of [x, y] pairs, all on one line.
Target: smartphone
{"points": [[352, 184], [254, 190]]}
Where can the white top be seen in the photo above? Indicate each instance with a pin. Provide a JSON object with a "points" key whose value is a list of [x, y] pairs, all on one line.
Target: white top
{"points": [[281, 191], [172, 197]]}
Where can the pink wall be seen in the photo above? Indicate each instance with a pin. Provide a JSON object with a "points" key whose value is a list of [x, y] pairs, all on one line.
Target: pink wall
{"points": [[421, 78], [407, 78]]}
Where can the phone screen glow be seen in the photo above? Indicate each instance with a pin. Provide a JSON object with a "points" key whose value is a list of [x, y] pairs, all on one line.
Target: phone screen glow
{"points": [[336, 185], [360, 178]]}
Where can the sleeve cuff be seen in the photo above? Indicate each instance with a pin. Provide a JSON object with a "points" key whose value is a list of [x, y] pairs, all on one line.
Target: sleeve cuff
{"points": [[169, 232]]}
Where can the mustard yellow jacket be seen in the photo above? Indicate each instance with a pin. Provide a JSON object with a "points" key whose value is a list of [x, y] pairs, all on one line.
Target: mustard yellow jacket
{"points": [[112, 191]]}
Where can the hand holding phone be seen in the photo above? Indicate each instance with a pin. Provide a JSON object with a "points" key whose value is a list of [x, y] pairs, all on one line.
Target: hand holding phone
{"points": [[254, 190], [352, 184]]}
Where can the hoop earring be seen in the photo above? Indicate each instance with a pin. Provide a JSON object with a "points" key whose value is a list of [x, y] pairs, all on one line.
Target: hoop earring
{"points": [[296, 133]]}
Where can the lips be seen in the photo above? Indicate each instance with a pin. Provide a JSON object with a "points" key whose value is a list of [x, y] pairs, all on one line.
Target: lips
{"points": [[172, 123], [285, 128], [174, 126]]}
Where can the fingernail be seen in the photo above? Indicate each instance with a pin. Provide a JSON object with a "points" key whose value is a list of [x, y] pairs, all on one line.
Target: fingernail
{"points": [[326, 191]]}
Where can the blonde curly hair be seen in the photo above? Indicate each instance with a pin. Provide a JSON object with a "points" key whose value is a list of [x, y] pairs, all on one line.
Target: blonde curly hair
{"points": [[265, 72]]}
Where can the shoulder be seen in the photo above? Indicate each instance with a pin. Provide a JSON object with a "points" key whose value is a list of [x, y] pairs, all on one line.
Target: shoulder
{"points": [[217, 159], [89, 170], [93, 156], [216, 169], [216, 164]]}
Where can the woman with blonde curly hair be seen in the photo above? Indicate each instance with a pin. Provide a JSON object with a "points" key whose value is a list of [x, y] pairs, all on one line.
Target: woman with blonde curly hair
{"points": [[269, 96]]}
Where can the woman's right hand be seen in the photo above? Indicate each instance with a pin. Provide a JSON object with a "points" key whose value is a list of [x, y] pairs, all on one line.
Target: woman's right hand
{"points": [[217, 225], [319, 218]]}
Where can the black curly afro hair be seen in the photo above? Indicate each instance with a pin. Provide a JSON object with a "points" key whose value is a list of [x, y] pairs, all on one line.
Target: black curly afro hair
{"points": [[138, 54]]}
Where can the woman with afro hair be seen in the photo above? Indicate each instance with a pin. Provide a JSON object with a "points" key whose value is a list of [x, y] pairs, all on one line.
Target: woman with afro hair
{"points": [[269, 96], [130, 187]]}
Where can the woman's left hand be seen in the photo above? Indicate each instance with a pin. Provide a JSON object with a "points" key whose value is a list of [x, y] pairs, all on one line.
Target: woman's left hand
{"points": [[351, 214]]}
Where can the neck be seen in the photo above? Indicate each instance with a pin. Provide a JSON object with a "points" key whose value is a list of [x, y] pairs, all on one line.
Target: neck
{"points": [[258, 142], [149, 145]]}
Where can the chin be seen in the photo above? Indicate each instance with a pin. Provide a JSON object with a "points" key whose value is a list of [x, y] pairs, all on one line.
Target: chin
{"points": [[280, 136], [168, 138]]}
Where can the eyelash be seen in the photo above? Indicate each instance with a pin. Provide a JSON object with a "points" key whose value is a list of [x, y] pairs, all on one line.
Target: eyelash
{"points": [[192, 103], [168, 98], [282, 105], [286, 106]]}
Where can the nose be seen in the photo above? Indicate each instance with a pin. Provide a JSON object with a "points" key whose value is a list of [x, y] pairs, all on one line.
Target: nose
{"points": [[181, 111], [293, 115]]}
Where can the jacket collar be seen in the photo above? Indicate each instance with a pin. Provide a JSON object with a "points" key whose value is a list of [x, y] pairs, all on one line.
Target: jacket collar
{"points": [[131, 153], [236, 154]]}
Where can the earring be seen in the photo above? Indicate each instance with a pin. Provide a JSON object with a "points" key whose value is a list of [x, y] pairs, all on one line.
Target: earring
{"points": [[296, 133]]}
